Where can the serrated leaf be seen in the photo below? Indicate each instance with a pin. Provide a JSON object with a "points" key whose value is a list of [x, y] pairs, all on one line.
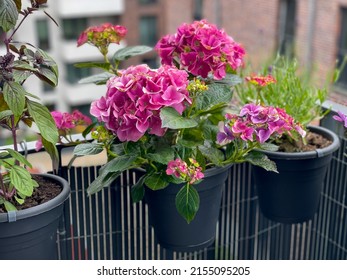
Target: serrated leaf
{"points": [[44, 121], [156, 181], [102, 65], [213, 154], [162, 155], [131, 51], [21, 180], [8, 14], [187, 202], [261, 160], [215, 95], [118, 164], [19, 157], [98, 79], [85, 149], [138, 190], [170, 118], [14, 95]]}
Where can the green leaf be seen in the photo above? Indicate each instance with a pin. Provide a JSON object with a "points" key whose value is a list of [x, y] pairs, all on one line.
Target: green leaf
{"points": [[172, 119], [163, 154], [5, 114], [21, 76], [102, 181], [88, 129], [118, 164], [269, 147], [19, 157], [85, 149], [8, 14], [191, 138], [187, 202], [44, 121], [52, 150], [156, 181], [261, 160], [48, 60], [19, 200], [22, 65], [215, 95], [98, 79], [102, 65], [14, 95], [9, 206], [47, 75], [131, 51], [213, 154], [21, 180], [138, 190]]}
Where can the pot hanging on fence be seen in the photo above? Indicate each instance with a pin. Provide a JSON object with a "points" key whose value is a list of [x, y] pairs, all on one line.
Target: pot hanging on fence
{"points": [[292, 195], [31, 234], [171, 230]]}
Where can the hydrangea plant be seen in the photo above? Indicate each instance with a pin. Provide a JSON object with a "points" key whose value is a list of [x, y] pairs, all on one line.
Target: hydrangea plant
{"points": [[172, 121]]}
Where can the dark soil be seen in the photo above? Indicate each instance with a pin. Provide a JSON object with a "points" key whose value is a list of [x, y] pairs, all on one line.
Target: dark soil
{"points": [[313, 141], [46, 191]]}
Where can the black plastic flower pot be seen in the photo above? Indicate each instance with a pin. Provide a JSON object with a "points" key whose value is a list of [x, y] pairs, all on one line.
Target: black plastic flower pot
{"points": [[171, 230], [31, 234], [293, 195]]}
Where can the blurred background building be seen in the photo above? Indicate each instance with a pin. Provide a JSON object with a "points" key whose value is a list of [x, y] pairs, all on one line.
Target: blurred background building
{"points": [[314, 31]]}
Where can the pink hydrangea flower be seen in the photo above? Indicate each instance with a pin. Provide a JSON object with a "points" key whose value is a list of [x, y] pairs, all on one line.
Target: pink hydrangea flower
{"points": [[102, 36], [202, 49], [133, 100], [189, 173], [257, 123]]}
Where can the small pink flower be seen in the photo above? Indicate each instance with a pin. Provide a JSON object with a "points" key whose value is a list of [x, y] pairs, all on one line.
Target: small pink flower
{"points": [[189, 173], [261, 81]]}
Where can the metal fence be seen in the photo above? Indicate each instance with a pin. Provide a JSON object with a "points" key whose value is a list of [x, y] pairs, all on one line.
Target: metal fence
{"points": [[109, 226]]}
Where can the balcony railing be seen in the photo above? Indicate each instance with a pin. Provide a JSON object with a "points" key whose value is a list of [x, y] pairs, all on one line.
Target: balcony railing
{"points": [[108, 225]]}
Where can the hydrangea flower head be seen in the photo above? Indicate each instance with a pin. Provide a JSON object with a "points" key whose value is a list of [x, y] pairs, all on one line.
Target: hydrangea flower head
{"points": [[202, 49], [133, 100]]}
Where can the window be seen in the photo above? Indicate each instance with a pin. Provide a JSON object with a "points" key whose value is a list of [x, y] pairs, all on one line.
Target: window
{"points": [[342, 50], [74, 74], [148, 30], [73, 27], [198, 7], [147, 2], [42, 33], [287, 21]]}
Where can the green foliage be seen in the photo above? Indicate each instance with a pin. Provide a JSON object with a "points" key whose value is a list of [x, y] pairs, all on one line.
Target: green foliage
{"points": [[292, 91], [17, 105]]}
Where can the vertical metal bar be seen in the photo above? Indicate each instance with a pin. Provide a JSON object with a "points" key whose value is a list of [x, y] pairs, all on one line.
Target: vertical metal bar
{"points": [[110, 219], [84, 214], [71, 216], [122, 214], [91, 222]]}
